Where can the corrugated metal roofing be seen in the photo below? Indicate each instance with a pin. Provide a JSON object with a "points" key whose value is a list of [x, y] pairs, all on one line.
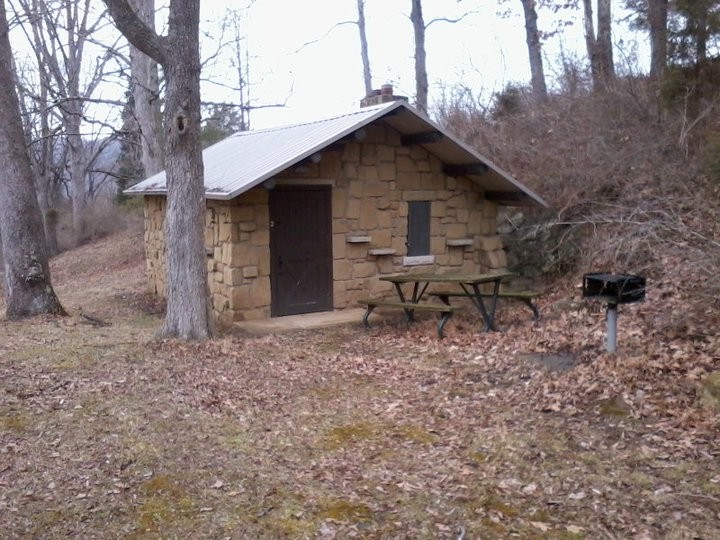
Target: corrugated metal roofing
{"points": [[246, 159]]}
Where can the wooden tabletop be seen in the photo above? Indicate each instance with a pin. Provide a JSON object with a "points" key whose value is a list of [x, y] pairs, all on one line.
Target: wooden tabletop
{"points": [[448, 278]]}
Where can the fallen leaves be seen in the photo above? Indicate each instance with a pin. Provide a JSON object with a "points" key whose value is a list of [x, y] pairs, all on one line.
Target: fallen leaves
{"points": [[343, 433]]}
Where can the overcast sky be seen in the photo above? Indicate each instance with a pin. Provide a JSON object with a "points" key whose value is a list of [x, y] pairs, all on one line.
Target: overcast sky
{"points": [[484, 52]]}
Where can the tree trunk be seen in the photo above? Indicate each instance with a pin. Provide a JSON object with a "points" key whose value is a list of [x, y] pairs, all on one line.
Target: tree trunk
{"points": [[145, 88], [28, 289], [589, 31], [701, 39], [657, 19], [72, 114], [188, 309], [367, 77], [532, 37], [40, 159], [606, 65], [599, 48], [421, 77]]}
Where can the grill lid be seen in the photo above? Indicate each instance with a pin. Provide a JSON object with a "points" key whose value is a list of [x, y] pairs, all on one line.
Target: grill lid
{"points": [[614, 288]]}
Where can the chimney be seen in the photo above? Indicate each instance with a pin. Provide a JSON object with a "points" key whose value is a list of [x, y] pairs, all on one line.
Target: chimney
{"points": [[384, 95]]}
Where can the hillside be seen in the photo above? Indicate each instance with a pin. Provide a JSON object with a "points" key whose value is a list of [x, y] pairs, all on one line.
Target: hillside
{"points": [[632, 181]]}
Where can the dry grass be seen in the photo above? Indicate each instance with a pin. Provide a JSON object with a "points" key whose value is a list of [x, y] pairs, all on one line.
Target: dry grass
{"points": [[343, 433]]}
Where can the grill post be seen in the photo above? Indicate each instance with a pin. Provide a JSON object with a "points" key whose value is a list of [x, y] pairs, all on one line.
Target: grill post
{"points": [[612, 317], [613, 289]]}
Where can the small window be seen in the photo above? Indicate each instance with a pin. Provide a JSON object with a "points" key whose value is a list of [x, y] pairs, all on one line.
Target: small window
{"points": [[418, 239]]}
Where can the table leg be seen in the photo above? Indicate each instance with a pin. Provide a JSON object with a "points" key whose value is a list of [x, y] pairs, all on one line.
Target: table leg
{"points": [[496, 290], [488, 315], [409, 313], [418, 294]]}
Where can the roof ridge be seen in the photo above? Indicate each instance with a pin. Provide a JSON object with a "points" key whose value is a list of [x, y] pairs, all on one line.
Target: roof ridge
{"points": [[362, 110]]}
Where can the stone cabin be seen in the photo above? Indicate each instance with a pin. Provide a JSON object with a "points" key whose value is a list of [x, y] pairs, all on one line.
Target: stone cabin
{"points": [[304, 218]]}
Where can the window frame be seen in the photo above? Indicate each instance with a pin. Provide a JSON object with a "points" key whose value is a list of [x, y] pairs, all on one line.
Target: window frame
{"points": [[418, 234]]}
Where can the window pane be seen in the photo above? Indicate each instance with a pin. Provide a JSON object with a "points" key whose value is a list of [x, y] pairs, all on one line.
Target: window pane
{"points": [[418, 242]]}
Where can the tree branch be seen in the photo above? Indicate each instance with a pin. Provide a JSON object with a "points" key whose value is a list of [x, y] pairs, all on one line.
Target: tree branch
{"points": [[448, 20], [140, 35], [342, 23]]}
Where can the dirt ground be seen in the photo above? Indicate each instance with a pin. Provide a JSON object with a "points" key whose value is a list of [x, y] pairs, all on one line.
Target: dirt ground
{"points": [[345, 433]]}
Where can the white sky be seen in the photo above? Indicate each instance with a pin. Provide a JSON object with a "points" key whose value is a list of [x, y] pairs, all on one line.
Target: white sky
{"points": [[483, 52]]}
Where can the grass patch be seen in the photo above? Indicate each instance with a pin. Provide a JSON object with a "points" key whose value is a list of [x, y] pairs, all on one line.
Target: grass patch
{"points": [[166, 506], [343, 436], [347, 435], [344, 511], [13, 421]]}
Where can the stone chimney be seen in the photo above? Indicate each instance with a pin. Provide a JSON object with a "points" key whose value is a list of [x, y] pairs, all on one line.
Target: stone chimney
{"points": [[383, 95]]}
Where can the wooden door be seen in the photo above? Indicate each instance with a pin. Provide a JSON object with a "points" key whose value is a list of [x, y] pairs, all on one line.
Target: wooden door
{"points": [[300, 249]]}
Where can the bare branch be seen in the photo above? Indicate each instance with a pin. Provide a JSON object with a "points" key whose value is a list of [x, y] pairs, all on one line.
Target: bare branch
{"points": [[342, 23], [448, 20], [137, 32]]}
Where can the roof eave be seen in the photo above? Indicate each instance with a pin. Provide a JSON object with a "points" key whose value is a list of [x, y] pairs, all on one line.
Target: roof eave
{"points": [[520, 196]]}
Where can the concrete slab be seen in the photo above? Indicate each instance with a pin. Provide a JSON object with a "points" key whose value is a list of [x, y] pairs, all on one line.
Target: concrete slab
{"points": [[305, 321]]}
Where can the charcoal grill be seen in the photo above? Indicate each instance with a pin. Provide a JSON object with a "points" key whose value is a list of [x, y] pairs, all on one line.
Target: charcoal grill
{"points": [[613, 289]]}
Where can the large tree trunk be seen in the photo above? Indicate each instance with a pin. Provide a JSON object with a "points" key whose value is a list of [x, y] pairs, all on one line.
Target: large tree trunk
{"points": [[28, 289], [145, 87], [657, 19], [188, 310], [532, 37], [421, 77], [367, 77]]}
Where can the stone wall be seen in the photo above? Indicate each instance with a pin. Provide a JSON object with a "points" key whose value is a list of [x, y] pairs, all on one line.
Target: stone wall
{"points": [[373, 179], [154, 209]]}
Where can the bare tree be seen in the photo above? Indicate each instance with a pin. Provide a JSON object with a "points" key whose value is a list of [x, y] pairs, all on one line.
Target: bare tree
{"points": [[419, 29], [240, 60], [188, 309], [364, 50], [599, 46], [364, 54], [145, 87], [42, 126], [421, 77], [59, 33], [28, 287], [532, 37]]}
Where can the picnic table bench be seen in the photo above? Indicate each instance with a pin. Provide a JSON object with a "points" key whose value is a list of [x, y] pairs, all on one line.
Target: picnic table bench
{"points": [[444, 311], [469, 284], [526, 297]]}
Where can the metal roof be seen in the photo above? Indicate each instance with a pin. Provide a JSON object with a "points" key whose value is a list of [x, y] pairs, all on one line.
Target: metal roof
{"points": [[246, 159]]}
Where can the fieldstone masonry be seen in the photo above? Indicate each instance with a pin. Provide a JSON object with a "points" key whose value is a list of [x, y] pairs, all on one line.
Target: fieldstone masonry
{"points": [[373, 179]]}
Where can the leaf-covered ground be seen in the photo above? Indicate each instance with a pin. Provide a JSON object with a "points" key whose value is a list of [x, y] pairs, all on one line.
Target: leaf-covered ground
{"points": [[345, 433]]}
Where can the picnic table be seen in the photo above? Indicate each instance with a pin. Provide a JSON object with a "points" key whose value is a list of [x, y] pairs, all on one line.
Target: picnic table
{"points": [[468, 285]]}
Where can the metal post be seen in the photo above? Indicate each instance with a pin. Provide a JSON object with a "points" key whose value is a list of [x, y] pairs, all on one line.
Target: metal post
{"points": [[612, 314]]}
